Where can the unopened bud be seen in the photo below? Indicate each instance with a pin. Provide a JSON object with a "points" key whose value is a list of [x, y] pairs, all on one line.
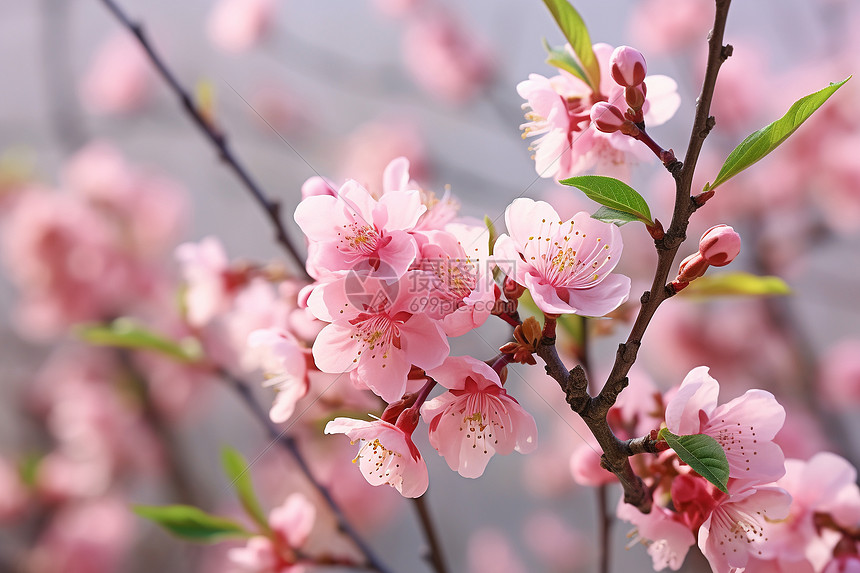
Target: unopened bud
{"points": [[720, 245], [635, 97], [607, 118], [692, 268], [513, 290], [628, 66]]}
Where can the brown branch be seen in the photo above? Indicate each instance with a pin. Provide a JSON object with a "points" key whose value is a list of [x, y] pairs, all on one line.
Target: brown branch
{"points": [[434, 555], [574, 383], [288, 443], [216, 137]]}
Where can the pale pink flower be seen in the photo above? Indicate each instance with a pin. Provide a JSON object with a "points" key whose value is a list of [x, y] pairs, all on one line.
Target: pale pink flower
{"points": [[209, 290], [555, 541], [238, 25], [566, 265], [456, 277], [284, 364], [825, 484], [559, 110], [744, 427], [374, 145], [445, 59], [387, 454], [735, 530], [585, 465], [475, 418], [291, 524], [359, 233], [87, 537], [440, 211], [663, 26], [378, 329], [491, 552], [840, 374], [667, 539], [119, 78], [843, 564]]}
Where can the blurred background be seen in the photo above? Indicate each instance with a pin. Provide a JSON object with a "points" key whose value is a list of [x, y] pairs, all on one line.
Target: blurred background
{"points": [[339, 88]]}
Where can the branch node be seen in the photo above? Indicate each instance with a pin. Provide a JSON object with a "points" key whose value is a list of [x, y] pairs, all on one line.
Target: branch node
{"points": [[646, 296], [726, 52]]}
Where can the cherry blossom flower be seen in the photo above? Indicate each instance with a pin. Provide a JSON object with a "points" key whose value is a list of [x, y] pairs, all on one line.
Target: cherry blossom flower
{"points": [[386, 456], [667, 539], [440, 210], [205, 268], [566, 265], [378, 329], [120, 77], [291, 524], [360, 233], [284, 364], [237, 25], [456, 277], [559, 110], [744, 427], [476, 418], [735, 529]]}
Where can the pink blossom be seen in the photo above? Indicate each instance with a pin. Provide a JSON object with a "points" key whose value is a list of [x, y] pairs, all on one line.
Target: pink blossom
{"points": [[284, 365], [555, 541], [443, 58], [360, 233], [825, 484], [559, 110], [440, 210], [627, 66], [209, 290], [491, 552], [476, 418], [735, 530], [566, 265], [386, 456], [671, 24], [585, 465], [378, 329], [456, 277], [238, 25], [843, 564], [720, 245], [119, 78], [374, 145], [87, 537], [744, 427], [667, 539], [291, 524], [840, 374]]}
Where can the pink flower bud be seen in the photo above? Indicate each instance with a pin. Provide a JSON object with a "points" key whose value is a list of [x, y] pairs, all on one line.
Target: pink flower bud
{"points": [[635, 97], [628, 66], [607, 118], [692, 268], [720, 245]]}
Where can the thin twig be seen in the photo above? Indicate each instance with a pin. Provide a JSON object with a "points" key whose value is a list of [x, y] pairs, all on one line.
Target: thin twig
{"points": [[605, 527], [435, 557], [216, 137], [288, 443]]}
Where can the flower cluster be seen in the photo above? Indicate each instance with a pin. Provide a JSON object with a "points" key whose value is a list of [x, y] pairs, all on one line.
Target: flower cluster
{"points": [[563, 111]]}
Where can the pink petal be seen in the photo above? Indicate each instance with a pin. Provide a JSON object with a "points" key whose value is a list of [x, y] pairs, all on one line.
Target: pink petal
{"points": [[698, 392]]}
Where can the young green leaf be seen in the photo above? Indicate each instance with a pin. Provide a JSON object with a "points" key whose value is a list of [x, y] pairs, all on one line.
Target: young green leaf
{"points": [[573, 28], [612, 193], [237, 470], [736, 284], [765, 140], [491, 229], [614, 216], [562, 59], [702, 453], [192, 524], [128, 333]]}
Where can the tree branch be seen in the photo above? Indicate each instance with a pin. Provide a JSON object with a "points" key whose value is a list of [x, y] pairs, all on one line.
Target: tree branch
{"points": [[288, 443], [574, 382], [434, 554], [216, 137]]}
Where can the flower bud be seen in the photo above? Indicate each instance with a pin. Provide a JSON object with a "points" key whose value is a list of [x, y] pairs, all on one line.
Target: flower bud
{"points": [[628, 66], [635, 97], [608, 118], [720, 245], [692, 268]]}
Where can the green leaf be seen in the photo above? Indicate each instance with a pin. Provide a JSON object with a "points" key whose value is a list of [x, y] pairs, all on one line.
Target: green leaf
{"points": [[573, 28], [491, 228], [238, 471], [561, 58], [191, 523], [128, 333], [765, 140], [702, 453], [736, 284], [613, 216], [612, 193]]}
